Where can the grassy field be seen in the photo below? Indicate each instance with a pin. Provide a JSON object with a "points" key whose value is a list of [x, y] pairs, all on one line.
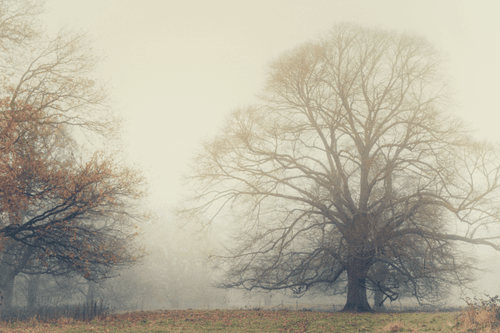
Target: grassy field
{"points": [[248, 321]]}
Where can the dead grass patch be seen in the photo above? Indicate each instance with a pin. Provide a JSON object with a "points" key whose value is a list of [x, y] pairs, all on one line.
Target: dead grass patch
{"points": [[392, 327], [481, 316]]}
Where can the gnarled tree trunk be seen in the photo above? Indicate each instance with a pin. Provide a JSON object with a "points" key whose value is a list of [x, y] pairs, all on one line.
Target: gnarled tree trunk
{"points": [[12, 262], [33, 283], [7, 279], [357, 300]]}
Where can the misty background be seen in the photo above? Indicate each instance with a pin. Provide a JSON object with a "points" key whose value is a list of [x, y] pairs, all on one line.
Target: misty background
{"points": [[176, 68]]}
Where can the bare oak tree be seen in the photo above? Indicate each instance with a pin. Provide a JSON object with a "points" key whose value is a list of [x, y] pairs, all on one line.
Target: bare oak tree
{"points": [[349, 164]]}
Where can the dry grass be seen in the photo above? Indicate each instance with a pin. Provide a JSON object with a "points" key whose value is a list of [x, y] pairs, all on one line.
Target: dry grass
{"points": [[243, 321], [481, 316], [479, 320], [393, 327]]}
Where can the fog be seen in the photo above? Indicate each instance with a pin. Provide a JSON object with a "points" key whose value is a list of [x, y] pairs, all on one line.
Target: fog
{"points": [[176, 68], [176, 274]]}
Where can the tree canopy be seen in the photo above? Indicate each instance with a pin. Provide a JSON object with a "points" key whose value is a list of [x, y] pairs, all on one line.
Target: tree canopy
{"points": [[62, 207], [350, 165]]}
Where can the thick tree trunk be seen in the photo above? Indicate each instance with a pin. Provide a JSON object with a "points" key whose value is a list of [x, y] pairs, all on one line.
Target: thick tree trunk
{"points": [[357, 300], [378, 299], [379, 276], [7, 288], [92, 292], [14, 259], [33, 283], [8, 275]]}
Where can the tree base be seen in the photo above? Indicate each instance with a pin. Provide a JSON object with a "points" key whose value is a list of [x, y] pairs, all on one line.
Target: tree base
{"points": [[352, 308]]}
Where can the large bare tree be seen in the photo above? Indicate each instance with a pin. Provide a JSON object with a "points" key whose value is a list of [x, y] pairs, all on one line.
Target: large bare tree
{"points": [[349, 165]]}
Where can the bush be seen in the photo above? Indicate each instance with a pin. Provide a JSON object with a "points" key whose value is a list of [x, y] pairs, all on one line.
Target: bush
{"points": [[481, 315]]}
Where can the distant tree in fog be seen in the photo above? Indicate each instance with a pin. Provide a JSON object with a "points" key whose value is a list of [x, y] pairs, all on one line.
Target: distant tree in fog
{"points": [[173, 275], [350, 164]]}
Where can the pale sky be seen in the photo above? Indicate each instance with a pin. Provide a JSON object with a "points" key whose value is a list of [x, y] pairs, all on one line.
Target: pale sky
{"points": [[176, 68]]}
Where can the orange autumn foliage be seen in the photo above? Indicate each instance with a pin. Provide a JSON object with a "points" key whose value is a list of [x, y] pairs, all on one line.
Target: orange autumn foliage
{"points": [[79, 213]]}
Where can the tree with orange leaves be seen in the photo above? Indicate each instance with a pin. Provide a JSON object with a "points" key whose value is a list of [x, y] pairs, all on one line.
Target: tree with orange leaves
{"points": [[75, 214], [71, 209]]}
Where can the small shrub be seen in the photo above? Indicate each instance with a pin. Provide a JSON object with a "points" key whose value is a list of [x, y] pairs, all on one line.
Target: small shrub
{"points": [[481, 314]]}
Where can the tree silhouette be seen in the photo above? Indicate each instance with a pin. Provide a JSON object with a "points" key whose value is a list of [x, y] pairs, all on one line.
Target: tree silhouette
{"points": [[349, 162]]}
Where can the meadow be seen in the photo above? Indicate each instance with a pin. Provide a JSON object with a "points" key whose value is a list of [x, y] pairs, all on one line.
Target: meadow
{"points": [[262, 321]]}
